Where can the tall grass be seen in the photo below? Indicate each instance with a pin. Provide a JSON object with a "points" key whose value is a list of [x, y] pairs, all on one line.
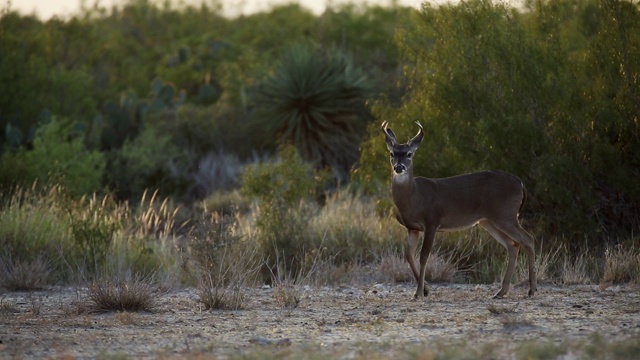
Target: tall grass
{"points": [[48, 237], [63, 239], [34, 234]]}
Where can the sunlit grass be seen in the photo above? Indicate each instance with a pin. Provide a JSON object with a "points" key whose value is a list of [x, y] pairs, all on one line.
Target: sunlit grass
{"points": [[49, 238]]}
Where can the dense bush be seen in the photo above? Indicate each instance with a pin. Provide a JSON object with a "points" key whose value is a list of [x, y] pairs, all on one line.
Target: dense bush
{"points": [[58, 156], [546, 93], [114, 70]]}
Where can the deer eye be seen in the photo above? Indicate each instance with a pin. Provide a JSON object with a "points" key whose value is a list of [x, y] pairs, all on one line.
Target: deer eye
{"points": [[409, 155]]}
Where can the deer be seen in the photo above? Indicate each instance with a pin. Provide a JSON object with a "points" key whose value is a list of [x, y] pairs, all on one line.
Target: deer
{"points": [[492, 199]]}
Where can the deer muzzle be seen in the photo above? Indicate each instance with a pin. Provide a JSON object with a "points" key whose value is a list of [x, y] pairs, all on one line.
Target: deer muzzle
{"points": [[399, 168]]}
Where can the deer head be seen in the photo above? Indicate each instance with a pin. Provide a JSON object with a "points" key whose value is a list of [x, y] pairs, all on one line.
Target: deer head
{"points": [[401, 154]]}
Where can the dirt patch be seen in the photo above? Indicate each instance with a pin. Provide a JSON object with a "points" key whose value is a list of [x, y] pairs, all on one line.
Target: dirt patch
{"points": [[348, 319]]}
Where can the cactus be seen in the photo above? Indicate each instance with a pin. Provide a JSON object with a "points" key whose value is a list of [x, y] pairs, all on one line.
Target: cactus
{"points": [[124, 118], [183, 55], [209, 93], [13, 136]]}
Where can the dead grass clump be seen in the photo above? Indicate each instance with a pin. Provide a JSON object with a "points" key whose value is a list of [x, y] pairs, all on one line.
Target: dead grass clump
{"points": [[574, 271], [394, 268], [441, 268], [287, 295], [546, 264], [221, 261], [622, 265], [215, 296], [16, 275], [123, 294]]}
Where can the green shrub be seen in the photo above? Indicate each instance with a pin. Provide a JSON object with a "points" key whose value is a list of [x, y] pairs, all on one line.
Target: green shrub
{"points": [[150, 160], [57, 158], [530, 93], [285, 191], [93, 222]]}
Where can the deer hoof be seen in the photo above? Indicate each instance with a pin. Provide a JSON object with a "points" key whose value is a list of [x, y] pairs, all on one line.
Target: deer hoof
{"points": [[499, 295]]}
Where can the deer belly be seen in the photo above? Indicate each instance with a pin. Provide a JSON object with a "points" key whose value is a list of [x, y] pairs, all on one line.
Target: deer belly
{"points": [[457, 224]]}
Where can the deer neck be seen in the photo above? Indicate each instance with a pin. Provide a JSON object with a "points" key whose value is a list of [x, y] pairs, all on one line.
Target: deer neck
{"points": [[402, 187]]}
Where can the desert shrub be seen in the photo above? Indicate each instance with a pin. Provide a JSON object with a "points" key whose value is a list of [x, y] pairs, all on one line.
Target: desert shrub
{"points": [[93, 222], [285, 190], [314, 100], [222, 261], [58, 157]]}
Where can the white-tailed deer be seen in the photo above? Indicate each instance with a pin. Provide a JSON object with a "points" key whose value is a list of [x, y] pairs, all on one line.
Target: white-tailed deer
{"points": [[492, 199]]}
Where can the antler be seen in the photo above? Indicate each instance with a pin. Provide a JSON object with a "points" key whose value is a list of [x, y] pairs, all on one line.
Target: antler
{"points": [[388, 132]]}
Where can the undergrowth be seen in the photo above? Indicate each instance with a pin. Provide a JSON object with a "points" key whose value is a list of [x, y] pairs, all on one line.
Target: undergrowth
{"points": [[48, 237]]}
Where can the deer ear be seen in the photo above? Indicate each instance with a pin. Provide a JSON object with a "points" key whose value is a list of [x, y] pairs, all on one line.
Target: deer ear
{"points": [[389, 136], [413, 143]]}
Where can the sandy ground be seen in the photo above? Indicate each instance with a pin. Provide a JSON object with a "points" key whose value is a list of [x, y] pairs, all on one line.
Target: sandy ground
{"points": [[343, 322]]}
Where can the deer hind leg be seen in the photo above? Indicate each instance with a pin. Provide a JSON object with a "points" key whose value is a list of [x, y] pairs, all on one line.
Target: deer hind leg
{"points": [[512, 248], [410, 249], [518, 234]]}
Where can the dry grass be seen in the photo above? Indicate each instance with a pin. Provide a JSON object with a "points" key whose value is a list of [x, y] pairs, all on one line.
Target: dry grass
{"points": [[395, 268], [17, 275], [621, 265], [287, 295], [221, 261], [574, 271], [123, 294]]}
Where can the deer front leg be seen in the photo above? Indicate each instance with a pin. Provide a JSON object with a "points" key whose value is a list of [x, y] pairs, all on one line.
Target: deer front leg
{"points": [[427, 244], [410, 249]]}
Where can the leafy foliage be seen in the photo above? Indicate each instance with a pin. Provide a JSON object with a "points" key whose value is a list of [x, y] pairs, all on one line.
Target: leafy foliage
{"points": [[57, 156], [543, 93]]}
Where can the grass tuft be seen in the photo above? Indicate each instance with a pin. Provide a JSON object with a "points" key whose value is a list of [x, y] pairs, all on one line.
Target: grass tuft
{"points": [[622, 265], [24, 275], [123, 294]]}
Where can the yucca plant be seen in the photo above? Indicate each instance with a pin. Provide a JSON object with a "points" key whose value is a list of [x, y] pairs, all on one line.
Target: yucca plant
{"points": [[314, 99]]}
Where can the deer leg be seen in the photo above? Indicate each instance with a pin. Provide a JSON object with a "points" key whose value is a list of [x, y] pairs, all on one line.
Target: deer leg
{"points": [[410, 249], [512, 252], [427, 244], [519, 235]]}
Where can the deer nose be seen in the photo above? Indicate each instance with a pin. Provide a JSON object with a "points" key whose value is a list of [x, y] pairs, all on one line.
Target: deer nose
{"points": [[399, 168]]}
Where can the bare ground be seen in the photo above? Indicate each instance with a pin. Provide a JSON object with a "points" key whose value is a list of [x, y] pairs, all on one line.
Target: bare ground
{"points": [[335, 322]]}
